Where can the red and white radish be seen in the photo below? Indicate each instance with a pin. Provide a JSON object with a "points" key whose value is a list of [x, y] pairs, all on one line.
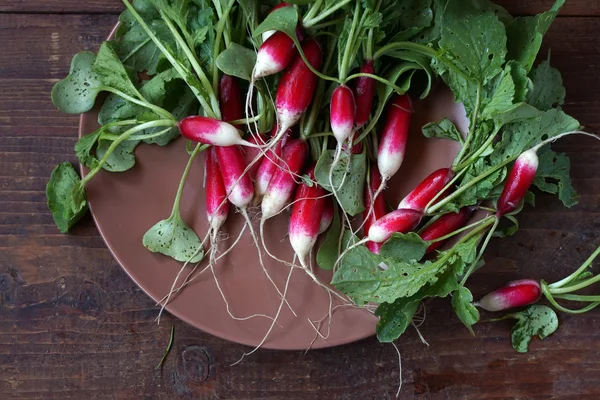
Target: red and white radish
{"points": [[327, 216], [429, 187], [237, 183], [443, 226], [283, 183], [267, 34], [518, 182], [211, 131], [392, 144], [514, 294], [523, 173], [230, 99], [364, 93], [342, 113], [275, 54], [397, 221], [375, 207], [306, 216], [269, 164], [297, 87], [217, 206]]}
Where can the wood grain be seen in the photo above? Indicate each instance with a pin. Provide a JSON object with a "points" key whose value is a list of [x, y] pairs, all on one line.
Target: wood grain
{"points": [[74, 326]]}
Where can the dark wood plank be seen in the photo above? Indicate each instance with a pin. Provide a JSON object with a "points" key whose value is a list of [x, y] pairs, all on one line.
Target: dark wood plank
{"points": [[516, 7], [74, 326]]}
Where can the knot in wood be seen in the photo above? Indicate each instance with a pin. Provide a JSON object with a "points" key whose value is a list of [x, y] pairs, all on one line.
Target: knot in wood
{"points": [[195, 364]]}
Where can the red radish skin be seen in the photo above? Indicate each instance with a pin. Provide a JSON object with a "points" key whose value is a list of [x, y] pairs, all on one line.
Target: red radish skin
{"points": [[342, 113], [230, 99], [251, 153], [427, 190], [297, 87], [269, 164], [211, 131], [364, 92], [379, 208], [268, 34], [237, 184], [445, 225], [518, 182], [217, 207], [397, 221], [514, 294], [282, 185], [305, 219], [394, 136], [327, 216]]}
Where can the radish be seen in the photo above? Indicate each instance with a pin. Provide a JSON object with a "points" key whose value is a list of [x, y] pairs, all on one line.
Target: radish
{"points": [[305, 220], [217, 206], [282, 185], [394, 136], [443, 226], [364, 93], [297, 87], [275, 54], [522, 174], [268, 165], [518, 182], [211, 131], [240, 192], [398, 221], [375, 208], [514, 294], [237, 183], [230, 99], [427, 190], [268, 34], [254, 153], [327, 216], [342, 113]]}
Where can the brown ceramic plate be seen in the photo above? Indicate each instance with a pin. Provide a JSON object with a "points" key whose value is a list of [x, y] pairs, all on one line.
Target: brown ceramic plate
{"points": [[125, 205]]}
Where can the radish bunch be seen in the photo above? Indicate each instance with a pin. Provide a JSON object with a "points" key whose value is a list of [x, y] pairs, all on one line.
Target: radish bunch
{"points": [[331, 92]]}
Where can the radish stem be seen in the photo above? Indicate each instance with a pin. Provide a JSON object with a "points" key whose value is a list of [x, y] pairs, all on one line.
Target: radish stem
{"points": [[575, 274]]}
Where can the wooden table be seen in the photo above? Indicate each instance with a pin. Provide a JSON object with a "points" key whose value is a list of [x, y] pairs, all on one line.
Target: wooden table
{"points": [[74, 326]]}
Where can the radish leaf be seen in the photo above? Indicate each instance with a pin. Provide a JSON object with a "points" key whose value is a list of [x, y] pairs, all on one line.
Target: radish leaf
{"points": [[462, 303], [360, 277], [473, 42], [352, 176], [66, 197], [77, 93], [112, 72], [284, 19], [329, 250], [522, 135], [395, 317], [121, 159], [172, 237], [503, 94], [553, 176], [445, 129], [525, 35], [548, 91], [404, 247], [237, 61], [536, 320], [84, 146]]}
